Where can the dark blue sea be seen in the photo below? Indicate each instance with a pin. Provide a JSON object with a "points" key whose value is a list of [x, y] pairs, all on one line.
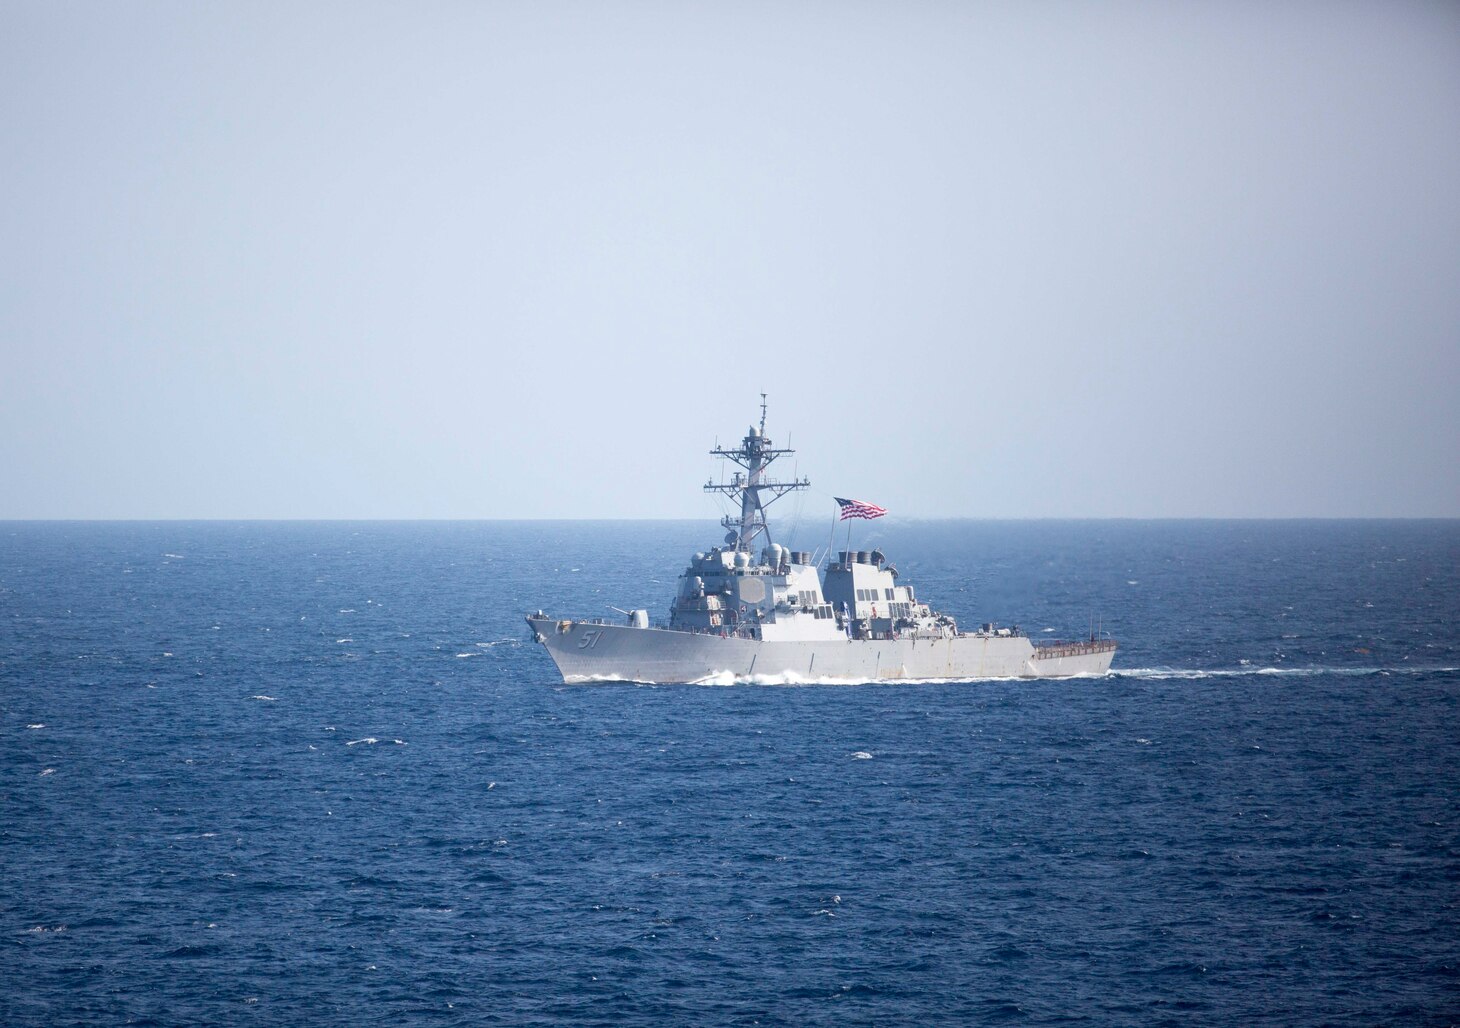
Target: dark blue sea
{"points": [[316, 773]]}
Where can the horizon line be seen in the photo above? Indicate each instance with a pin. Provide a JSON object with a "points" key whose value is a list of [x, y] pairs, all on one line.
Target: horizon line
{"points": [[893, 519]]}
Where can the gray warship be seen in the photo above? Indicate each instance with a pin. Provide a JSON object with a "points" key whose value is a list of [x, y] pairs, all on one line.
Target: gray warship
{"points": [[775, 617]]}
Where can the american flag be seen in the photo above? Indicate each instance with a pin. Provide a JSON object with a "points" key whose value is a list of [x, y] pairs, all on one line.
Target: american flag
{"points": [[859, 509]]}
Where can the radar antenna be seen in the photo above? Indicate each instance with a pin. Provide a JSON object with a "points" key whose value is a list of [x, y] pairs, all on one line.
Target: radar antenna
{"points": [[755, 454]]}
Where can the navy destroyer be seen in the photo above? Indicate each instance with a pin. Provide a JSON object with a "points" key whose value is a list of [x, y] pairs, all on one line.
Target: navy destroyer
{"points": [[774, 616]]}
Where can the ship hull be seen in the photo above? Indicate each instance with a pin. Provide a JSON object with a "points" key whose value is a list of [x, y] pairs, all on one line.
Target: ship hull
{"points": [[586, 651]]}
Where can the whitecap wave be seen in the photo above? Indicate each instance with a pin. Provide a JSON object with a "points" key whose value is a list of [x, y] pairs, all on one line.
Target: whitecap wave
{"points": [[369, 740], [1163, 673]]}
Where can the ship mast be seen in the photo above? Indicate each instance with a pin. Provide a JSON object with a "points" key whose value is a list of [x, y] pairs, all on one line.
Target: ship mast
{"points": [[755, 454]]}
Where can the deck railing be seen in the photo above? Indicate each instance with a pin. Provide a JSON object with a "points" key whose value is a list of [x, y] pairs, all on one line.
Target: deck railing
{"points": [[1056, 648]]}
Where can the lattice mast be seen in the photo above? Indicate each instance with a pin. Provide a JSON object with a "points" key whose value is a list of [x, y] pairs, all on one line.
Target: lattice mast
{"points": [[755, 454]]}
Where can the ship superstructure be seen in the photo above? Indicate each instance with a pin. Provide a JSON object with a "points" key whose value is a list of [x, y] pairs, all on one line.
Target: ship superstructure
{"points": [[772, 615]]}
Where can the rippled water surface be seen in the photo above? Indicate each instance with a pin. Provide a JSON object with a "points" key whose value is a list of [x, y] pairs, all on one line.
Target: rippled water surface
{"points": [[316, 773]]}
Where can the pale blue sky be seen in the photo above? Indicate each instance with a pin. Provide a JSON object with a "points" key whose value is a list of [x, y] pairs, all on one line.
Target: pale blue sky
{"points": [[520, 260]]}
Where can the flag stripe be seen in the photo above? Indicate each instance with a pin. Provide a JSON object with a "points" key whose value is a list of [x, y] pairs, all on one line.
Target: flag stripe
{"points": [[859, 509]]}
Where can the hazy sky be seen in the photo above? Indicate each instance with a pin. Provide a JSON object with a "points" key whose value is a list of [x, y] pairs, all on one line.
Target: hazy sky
{"points": [[488, 260]]}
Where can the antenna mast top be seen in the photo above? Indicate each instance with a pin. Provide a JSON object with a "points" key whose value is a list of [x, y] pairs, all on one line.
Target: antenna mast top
{"points": [[755, 454]]}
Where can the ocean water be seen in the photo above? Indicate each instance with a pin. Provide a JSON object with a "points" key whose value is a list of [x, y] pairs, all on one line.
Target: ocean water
{"points": [[283, 773]]}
